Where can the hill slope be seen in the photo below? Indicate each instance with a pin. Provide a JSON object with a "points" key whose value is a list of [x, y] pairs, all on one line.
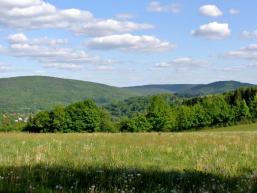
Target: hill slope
{"points": [[26, 94], [161, 88], [189, 89], [216, 87]]}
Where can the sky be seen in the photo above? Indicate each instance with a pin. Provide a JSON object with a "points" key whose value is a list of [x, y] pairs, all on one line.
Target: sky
{"points": [[130, 42]]}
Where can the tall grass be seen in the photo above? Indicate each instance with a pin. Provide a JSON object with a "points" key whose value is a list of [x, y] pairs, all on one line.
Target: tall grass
{"points": [[143, 162]]}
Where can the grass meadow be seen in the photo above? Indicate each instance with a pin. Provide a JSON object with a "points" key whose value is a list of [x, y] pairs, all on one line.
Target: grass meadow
{"points": [[196, 162], [236, 128]]}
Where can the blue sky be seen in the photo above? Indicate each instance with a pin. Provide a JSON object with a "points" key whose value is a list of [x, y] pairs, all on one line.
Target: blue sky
{"points": [[131, 42]]}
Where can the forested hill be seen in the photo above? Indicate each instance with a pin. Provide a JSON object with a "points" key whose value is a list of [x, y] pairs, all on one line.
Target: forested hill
{"points": [[161, 88], [26, 94], [190, 89], [33, 93]]}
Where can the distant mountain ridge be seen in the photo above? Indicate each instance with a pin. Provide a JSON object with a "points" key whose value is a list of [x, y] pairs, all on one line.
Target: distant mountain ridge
{"points": [[32, 93], [190, 89], [161, 88], [216, 87]]}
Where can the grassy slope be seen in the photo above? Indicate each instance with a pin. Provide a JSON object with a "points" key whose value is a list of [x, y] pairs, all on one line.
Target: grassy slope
{"points": [[115, 163], [36, 92]]}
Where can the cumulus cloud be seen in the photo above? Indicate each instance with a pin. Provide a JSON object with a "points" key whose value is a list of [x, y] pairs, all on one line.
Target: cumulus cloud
{"points": [[248, 35], [214, 30], [234, 11], [64, 66], [21, 38], [128, 42], [124, 16], [39, 72], [33, 14], [51, 53], [248, 52], [4, 67], [108, 27], [2, 48], [210, 11], [156, 6], [183, 62], [17, 38], [105, 68], [251, 66], [233, 68]]}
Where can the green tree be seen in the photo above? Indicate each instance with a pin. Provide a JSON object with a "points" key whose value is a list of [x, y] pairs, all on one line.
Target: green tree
{"points": [[137, 123], [59, 119], [84, 116], [40, 123], [218, 110], [106, 124], [200, 117], [242, 111], [6, 123], [184, 118], [159, 115], [253, 107]]}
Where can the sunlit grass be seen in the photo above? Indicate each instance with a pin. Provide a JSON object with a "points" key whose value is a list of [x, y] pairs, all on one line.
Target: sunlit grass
{"points": [[138, 162], [235, 128]]}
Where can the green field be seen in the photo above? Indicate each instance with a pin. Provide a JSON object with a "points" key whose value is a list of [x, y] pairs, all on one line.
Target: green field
{"points": [[236, 128], [140, 162]]}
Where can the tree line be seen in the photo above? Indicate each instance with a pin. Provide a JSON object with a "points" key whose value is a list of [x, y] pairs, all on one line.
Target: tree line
{"points": [[12, 121], [226, 109]]}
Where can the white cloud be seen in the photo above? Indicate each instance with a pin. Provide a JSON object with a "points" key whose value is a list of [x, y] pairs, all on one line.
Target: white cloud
{"points": [[23, 3], [183, 62], [51, 53], [124, 16], [39, 72], [233, 69], [4, 67], [234, 11], [48, 41], [105, 68], [162, 64], [128, 42], [248, 35], [33, 14], [22, 38], [108, 27], [248, 52], [64, 66], [156, 6], [214, 30], [251, 66], [210, 11], [17, 38]]}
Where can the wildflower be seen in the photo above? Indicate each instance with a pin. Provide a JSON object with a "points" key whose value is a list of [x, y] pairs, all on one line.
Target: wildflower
{"points": [[58, 187]]}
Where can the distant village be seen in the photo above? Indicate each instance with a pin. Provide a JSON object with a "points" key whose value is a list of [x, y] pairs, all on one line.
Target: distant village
{"points": [[12, 120]]}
